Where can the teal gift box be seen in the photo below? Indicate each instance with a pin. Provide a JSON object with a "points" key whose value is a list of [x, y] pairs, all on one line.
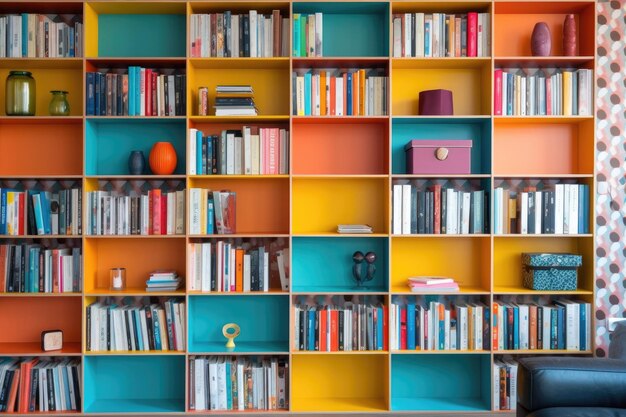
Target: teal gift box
{"points": [[551, 271]]}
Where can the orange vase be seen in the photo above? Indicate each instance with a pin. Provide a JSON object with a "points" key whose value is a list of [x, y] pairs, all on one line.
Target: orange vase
{"points": [[162, 158]]}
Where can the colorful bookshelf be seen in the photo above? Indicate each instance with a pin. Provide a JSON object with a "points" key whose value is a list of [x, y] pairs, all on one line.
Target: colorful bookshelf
{"points": [[341, 170]]}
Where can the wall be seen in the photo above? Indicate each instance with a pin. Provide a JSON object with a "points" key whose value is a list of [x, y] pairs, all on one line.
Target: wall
{"points": [[611, 168]]}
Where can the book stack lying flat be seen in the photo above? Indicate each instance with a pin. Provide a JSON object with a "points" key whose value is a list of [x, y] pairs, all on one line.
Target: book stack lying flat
{"points": [[163, 280], [234, 100], [354, 228], [432, 284]]}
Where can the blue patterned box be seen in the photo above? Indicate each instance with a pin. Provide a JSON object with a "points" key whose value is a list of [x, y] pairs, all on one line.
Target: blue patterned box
{"points": [[551, 271]]}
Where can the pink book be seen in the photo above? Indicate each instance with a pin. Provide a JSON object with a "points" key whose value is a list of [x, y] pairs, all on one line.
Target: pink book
{"points": [[472, 33], [497, 92], [272, 150], [548, 96]]}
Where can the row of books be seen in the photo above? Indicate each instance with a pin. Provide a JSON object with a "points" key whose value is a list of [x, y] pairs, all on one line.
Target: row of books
{"points": [[561, 209], [543, 92], [350, 327], [155, 212], [30, 35], [431, 284], [563, 325], [504, 384], [32, 268], [441, 35], [308, 30], [440, 326], [438, 210], [119, 328], [250, 34], [212, 212], [357, 92], [163, 280], [137, 92], [238, 383], [230, 100], [33, 212], [228, 267], [250, 151], [39, 385]]}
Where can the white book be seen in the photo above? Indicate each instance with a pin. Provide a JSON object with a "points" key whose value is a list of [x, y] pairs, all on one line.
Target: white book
{"points": [[246, 272], [281, 259], [406, 209], [319, 39], [573, 209], [199, 387], [230, 153], [480, 34], [408, 24], [523, 95], [235, 38], [559, 195], [397, 209], [193, 155], [171, 213], [221, 384], [566, 208], [213, 384], [478, 327], [504, 93], [206, 267], [546, 327], [397, 37], [419, 34], [501, 324], [247, 151], [523, 326], [495, 405], [253, 33], [538, 211], [240, 384], [447, 329], [237, 153], [465, 219], [435, 34], [144, 329], [179, 325], [339, 110]]}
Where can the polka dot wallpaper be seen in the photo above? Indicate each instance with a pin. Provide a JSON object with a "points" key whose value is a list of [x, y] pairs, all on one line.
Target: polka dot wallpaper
{"points": [[610, 167]]}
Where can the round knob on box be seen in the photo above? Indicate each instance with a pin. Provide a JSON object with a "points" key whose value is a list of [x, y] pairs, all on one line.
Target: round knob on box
{"points": [[441, 153]]}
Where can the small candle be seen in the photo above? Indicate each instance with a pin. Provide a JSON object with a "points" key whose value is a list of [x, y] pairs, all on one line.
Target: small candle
{"points": [[118, 278]]}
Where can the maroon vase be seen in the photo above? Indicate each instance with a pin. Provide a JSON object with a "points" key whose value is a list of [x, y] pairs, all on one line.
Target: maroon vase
{"points": [[541, 40], [569, 36]]}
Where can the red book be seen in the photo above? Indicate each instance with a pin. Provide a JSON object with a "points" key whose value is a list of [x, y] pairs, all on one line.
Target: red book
{"points": [[403, 327], [277, 23], [548, 96], [25, 382], [148, 90], [472, 33], [497, 92], [403, 28], [156, 211], [22, 206], [436, 189], [150, 212], [230, 212], [494, 326], [333, 96], [323, 331], [385, 328], [334, 330], [155, 98], [55, 270], [239, 269]]}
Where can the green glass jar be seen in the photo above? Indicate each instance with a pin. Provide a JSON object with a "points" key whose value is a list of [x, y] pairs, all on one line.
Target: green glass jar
{"points": [[59, 106], [20, 94]]}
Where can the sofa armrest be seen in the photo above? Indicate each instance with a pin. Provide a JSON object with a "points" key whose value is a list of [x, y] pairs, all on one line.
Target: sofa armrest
{"points": [[571, 382]]}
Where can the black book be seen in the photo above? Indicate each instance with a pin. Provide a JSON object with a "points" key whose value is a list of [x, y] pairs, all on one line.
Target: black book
{"points": [[177, 95], [241, 37], [227, 35], [183, 89], [213, 266], [302, 329], [166, 103], [120, 94], [414, 210], [76, 278], [551, 208], [17, 268], [234, 101], [444, 213], [427, 212], [531, 212], [4, 391], [413, 39], [42, 271], [51, 399], [128, 335], [23, 267], [76, 379], [108, 328], [34, 388], [262, 267], [88, 334], [340, 327], [509, 327], [11, 262], [31, 224], [246, 36], [317, 329], [150, 327], [204, 156], [421, 212], [545, 203], [254, 268], [214, 165], [539, 328], [209, 155]]}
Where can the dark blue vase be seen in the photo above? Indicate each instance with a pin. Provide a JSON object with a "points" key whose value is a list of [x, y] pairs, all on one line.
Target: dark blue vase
{"points": [[136, 163]]}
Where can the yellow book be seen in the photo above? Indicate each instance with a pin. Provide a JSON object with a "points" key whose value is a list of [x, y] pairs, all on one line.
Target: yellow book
{"points": [[11, 213], [362, 92], [323, 93], [204, 201], [567, 93]]}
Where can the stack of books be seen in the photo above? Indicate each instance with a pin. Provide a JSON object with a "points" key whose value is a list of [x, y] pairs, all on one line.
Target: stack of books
{"points": [[163, 280], [234, 100], [432, 284], [354, 228]]}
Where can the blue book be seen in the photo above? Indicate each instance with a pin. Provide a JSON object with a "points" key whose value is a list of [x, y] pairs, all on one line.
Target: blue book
{"points": [[427, 30], [583, 326], [66, 384], [34, 258], [131, 91], [515, 327], [210, 216], [410, 326], [138, 333], [157, 329], [307, 94], [97, 93], [509, 94], [296, 35], [442, 333], [379, 329], [226, 267], [560, 324], [505, 327], [24, 35], [209, 154], [137, 91], [71, 52], [229, 388], [311, 328], [199, 155], [57, 388], [3, 211], [349, 94], [45, 211], [583, 208], [37, 208], [91, 98]]}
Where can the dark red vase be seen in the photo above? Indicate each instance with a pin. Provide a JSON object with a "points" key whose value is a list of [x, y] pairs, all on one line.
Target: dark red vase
{"points": [[569, 36], [541, 40]]}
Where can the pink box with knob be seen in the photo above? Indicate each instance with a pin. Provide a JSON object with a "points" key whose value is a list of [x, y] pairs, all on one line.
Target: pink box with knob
{"points": [[448, 157]]}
